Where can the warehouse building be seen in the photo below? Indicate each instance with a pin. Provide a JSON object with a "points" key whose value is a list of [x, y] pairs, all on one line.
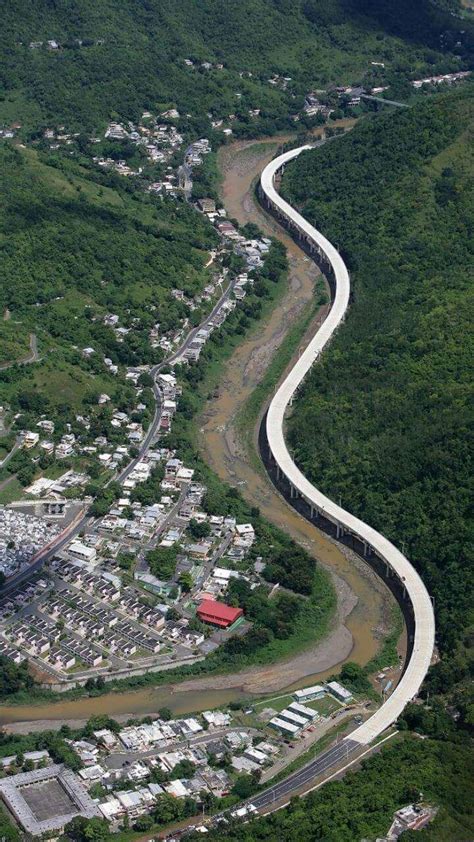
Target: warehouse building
{"points": [[309, 694], [218, 613]]}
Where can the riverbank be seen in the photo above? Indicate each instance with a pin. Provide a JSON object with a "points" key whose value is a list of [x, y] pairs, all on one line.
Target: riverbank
{"points": [[362, 598], [230, 421]]}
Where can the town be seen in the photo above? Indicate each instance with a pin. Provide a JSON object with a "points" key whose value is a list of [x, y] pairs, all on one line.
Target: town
{"points": [[234, 402], [146, 577], [197, 764]]}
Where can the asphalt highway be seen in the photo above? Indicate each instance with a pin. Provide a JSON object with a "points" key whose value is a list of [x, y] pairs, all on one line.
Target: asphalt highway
{"points": [[302, 777]]}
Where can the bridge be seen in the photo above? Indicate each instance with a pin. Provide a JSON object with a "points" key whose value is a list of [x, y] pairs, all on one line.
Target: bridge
{"points": [[317, 507], [383, 101]]}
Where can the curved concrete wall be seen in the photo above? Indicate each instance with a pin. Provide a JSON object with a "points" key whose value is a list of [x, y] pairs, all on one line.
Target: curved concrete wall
{"points": [[345, 523]]}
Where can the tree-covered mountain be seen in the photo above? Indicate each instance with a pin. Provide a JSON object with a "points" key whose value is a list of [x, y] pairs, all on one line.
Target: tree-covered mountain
{"points": [[384, 421], [120, 56]]}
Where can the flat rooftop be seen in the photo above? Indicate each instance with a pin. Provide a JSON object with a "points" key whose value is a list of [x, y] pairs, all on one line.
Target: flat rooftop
{"points": [[47, 799]]}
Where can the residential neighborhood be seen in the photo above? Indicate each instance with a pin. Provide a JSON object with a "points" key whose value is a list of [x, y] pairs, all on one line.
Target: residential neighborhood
{"points": [[234, 403], [124, 771], [142, 586]]}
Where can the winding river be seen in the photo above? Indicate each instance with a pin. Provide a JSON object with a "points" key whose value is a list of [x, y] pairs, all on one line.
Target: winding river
{"points": [[364, 603]]}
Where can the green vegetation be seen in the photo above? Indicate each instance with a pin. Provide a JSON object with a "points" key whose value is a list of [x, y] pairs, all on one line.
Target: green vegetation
{"points": [[162, 561], [361, 805], [199, 530], [382, 422], [388, 654], [13, 678], [14, 342], [81, 829], [132, 56], [74, 251], [8, 831], [53, 741]]}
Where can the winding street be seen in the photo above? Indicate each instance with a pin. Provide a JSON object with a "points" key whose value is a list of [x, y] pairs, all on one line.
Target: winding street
{"points": [[84, 520]]}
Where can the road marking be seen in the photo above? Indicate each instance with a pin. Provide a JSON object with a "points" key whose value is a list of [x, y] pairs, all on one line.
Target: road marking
{"points": [[333, 774]]}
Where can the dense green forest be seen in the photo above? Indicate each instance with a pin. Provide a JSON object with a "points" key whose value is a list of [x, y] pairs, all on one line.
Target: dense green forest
{"points": [[132, 55], [383, 423]]}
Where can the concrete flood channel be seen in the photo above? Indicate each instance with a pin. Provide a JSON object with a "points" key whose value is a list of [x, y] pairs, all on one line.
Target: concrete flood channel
{"points": [[364, 603]]}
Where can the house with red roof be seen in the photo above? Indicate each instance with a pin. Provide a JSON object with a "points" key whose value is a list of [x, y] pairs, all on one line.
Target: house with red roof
{"points": [[218, 613]]}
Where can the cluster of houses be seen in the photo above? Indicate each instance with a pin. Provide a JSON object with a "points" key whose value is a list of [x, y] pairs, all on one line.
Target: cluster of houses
{"points": [[206, 65], [253, 251], [21, 536], [156, 140], [53, 44], [130, 525], [193, 157], [89, 604], [78, 440], [164, 746], [62, 450], [60, 137], [22, 597], [278, 81], [446, 78], [60, 628], [313, 106]]}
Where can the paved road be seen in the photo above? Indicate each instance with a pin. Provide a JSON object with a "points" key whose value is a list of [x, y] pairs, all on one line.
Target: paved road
{"points": [[12, 452], [324, 762], [82, 524], [32, 357]]}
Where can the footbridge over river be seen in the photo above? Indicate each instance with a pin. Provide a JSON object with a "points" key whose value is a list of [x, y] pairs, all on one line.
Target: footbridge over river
{"points": [[378, 550]]}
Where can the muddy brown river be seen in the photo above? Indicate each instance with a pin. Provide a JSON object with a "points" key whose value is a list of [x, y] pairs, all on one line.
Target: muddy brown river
{"points": [[364, 603]]}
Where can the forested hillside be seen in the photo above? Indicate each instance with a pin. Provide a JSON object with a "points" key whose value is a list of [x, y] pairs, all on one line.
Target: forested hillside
{"points": [[73, 250], [384, 421], [120, 56]]}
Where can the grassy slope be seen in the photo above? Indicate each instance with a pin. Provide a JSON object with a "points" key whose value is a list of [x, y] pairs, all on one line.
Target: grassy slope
{"points": [[14, 341], [383, 421]]}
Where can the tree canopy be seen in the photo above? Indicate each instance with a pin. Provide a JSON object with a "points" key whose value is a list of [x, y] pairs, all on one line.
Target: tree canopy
{"points": [[383, 420]]}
